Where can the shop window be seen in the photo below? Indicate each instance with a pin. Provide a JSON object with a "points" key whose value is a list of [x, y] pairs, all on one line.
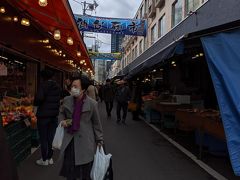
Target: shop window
{"points": [[191, 5], [146, 6], [142, 12], [176, 12], [141, 47], [154, 34], [136, 51], [133, 54], [162, 26]]}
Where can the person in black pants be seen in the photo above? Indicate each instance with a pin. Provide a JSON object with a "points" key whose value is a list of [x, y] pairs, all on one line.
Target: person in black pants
{"points": [[123, 96], [108, 96], [47, 101]]}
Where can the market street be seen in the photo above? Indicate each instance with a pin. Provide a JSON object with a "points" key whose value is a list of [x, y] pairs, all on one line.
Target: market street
{"points": [[139, 153]]}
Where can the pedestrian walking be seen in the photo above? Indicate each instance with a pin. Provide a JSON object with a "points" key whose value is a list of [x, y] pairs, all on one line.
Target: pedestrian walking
{"points": [[92, 91], [108, 96], [100, 92], [47, 101], [82, 134], [123, 96], [137, 99]]}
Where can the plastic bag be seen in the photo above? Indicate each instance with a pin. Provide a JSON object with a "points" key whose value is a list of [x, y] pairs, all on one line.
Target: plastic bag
{"points": [[58, 138], [100, 164]]}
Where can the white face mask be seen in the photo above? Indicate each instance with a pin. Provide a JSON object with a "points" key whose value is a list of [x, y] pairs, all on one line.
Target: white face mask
{"points": [[75, 92]]}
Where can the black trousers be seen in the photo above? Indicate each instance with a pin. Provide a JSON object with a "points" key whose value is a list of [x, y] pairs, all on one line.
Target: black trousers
{"points": [[109, 106], [46, 128], [70, 170], [122, 106]]}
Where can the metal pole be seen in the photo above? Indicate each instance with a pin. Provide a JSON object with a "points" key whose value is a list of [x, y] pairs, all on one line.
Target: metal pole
{"points": [[84, 8], [84, 13]]}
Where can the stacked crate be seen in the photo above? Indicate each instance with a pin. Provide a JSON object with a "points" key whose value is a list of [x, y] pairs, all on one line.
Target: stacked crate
{"points": [[19, 139]]}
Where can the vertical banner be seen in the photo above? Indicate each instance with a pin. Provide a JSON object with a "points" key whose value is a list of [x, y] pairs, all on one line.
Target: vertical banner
{"points": [[134, 27]]}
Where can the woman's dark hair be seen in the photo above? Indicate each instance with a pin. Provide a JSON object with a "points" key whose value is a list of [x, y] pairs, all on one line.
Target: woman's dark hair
{"points": [[46, 74], [85, 81]]}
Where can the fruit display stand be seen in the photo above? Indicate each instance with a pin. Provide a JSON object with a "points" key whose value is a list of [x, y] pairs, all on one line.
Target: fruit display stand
{"points": [[168, 110], [209, 131], [18, 121], [19, 139]]}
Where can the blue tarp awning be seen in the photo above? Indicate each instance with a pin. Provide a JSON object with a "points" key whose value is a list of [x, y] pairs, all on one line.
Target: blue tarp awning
{"points": [[223, 57]]}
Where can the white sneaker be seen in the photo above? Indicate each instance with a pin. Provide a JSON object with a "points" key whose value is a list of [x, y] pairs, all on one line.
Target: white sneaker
{"points": [[40, 162], [50, 161]]}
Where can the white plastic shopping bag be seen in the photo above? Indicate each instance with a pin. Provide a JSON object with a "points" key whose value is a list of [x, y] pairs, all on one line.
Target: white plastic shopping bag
{"points": [[58, 138], [100, 164]]}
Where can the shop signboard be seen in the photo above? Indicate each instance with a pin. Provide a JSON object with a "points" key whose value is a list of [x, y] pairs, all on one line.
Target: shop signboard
{"points": [[105, 56], [133, 27]]}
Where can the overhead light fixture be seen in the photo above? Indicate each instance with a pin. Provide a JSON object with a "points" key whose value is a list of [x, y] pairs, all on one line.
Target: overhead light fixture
{"points": [[15, 19], [42, 3], [57, 34], [49, 47], [154, 70], [173, 62], [4, 57], [60, 52], [25, 22], [79, 53], [70, 41], [2, 10], [64, 55], [85, 64], [46, 41]]}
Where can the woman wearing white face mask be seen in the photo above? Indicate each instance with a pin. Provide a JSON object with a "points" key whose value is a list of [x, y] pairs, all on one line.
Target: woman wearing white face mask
{"points": [[83, 131]]}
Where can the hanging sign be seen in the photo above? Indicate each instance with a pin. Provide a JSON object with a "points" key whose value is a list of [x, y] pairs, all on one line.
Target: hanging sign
{"points": [[105, 56], [134, 27], [3, 70]]}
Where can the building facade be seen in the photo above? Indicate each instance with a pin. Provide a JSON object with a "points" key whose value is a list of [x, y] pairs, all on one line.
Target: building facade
{"points": [[162, 17], [99, 66], [116, 43]]}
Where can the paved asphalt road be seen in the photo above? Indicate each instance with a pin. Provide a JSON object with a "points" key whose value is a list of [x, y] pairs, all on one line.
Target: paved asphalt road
{"points": [[139, 153]]}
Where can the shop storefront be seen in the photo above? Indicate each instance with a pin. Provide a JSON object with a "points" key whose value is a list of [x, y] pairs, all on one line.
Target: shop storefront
{"points": [[33, 37], [187, 83]]}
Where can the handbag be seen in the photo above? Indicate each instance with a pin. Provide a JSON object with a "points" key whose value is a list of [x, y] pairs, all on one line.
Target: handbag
{"points": [[132, 106], [109, 173]]}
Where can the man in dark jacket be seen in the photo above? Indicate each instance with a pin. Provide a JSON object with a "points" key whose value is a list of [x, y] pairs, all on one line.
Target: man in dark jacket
{"points": [[108, 96], [123, 96], [47, 101]]}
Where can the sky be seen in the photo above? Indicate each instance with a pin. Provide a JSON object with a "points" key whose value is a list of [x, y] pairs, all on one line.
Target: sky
{"points": [[107, 8]]}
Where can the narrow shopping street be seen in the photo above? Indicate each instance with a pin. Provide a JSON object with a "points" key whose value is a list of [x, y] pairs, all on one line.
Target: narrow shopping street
{"points": [[139, 153]]}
